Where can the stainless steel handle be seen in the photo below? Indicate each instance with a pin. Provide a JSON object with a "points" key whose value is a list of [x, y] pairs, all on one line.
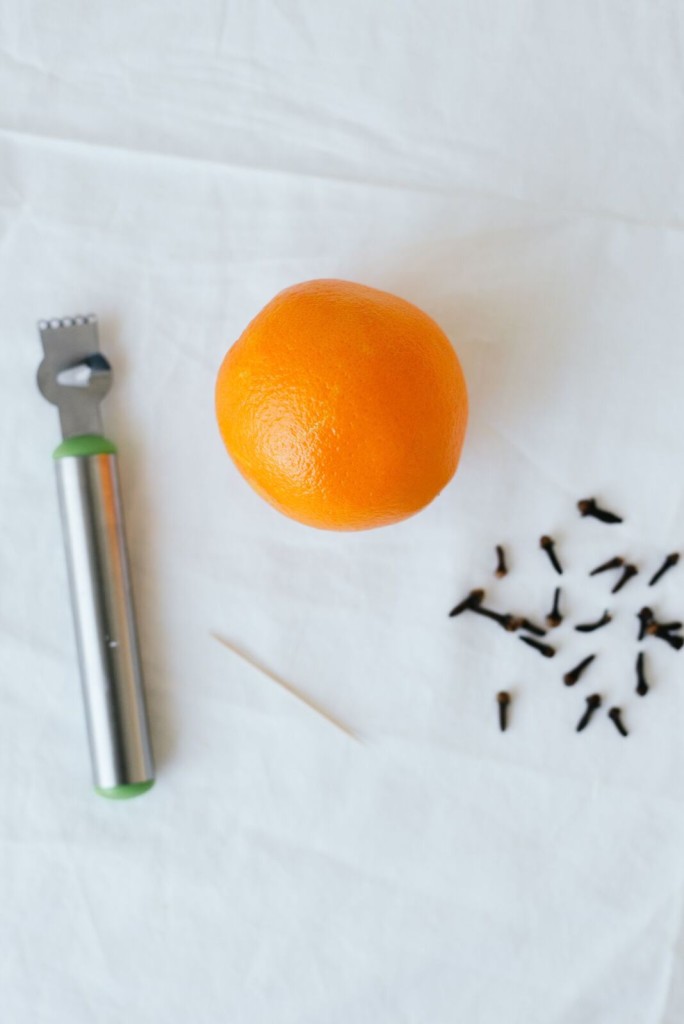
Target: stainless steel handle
{"points": [[106, 634]]}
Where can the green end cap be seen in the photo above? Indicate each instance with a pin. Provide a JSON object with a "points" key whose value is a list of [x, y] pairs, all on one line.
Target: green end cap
{"points": [[84, 444], [125, 792]]}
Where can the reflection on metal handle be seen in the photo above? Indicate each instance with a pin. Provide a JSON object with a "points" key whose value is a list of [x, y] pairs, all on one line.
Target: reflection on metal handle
{"points": [[106, 634]]}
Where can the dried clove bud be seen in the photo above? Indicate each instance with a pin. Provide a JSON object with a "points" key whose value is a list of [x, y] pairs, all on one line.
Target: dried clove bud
{"points": [[474, 598], [503, 700], [545, 649], [501, 567], [571, 677], [675, 641], [554, 618], [615, 716], [547, 544], [532, 627], [612, 563], [593, 702], [645, 617], [642, 685], [588, 507], [627, 573], [589, 627], [667, 564], [508, 622]]}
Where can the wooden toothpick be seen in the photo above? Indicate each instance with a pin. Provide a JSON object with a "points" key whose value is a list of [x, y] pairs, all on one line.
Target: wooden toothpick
{"points": [[285, 685]]}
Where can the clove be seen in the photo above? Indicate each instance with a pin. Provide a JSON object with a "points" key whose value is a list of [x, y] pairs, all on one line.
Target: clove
{"points": [[612, 563], [589, 627], [588, 507], [655, 629], [645, 617], [508, 622], [547, 544], [593, 702], [474, 598], [503, 700], [501, 567], [532, 627], [615, 716], [545, 649], [627, 573], [667, 564], [642, 685], [571, 677], [554, 618]]}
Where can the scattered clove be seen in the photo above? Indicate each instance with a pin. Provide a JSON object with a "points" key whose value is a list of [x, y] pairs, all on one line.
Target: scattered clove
{"points": [[503, 700], [593, 702], [588, 507], [675, 641], [589, 627], [670, 627], [645, 617], [474, 598], [667, 564], [627, 573], [571, 677], [642, 685], [615, 715], [670, 632], [532, 627], [653, 627], [547, 544], [508, 622], [612, 563], [544, 649], [554, 618]]}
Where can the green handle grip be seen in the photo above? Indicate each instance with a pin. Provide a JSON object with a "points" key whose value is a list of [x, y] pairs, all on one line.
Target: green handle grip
{"points": [[84, 444]]}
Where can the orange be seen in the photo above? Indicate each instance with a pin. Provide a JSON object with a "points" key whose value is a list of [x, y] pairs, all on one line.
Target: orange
{"points": [[343, 406]]}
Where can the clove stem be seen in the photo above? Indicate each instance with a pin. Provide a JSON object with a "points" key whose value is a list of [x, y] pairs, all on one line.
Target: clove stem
{"points": [[547, 544], [474, 598], [593, 702], [627, 573], [545, 649], [532, 627], [588, 507], [615, 716], [589, 627], [554, 618], [645, 617], [503, 700], [612, 563], [675, 641], [642, 685], [667, 564], [571, 677], [508, 622]]}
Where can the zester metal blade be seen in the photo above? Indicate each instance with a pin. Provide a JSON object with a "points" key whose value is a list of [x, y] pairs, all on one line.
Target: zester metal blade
{"points": [[74, 375]]}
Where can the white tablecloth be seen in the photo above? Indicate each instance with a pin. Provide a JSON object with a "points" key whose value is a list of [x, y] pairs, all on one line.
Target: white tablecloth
{"points": [[514, 168]]}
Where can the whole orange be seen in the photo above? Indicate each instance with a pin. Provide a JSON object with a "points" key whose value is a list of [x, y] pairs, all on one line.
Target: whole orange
{"points": [[343, 406]]}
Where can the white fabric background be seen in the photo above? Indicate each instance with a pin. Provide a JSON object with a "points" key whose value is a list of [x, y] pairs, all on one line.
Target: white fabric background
{"points": [[515, 169]]}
